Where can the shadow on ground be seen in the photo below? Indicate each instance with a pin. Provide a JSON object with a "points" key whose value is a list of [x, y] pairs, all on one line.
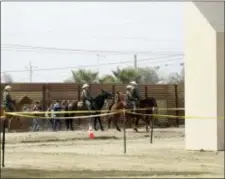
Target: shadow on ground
{"points": [[71, 139], [37, 173]]}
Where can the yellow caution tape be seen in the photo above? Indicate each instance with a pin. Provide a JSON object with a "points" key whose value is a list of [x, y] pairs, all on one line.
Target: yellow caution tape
{"points": [[91, 111], [31, 114], [174, 116], [74, 117]]}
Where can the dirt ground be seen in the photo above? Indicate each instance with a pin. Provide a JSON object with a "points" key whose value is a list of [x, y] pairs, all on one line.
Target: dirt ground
{"points": [[73, 154]]}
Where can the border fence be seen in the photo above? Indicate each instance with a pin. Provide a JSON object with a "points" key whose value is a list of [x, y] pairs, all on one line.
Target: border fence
{"points": [[167, 96]]}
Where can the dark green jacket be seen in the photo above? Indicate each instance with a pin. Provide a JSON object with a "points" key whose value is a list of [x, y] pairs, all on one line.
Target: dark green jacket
{"points": [[134, 95], [7, 102]]}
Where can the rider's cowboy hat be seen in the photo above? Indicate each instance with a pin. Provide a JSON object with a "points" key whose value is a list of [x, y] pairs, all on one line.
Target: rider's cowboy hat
{"points": [[85, 86], [8, 87], [133, 83], [128, 87]]}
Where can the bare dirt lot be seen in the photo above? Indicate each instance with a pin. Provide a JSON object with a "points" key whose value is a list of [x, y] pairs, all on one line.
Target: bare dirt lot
{"points": [[72, 154]]}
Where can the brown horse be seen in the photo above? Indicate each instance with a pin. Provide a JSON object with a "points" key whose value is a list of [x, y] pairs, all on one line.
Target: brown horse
{"points": [[149, 103], [18, 108], [119, 104]]}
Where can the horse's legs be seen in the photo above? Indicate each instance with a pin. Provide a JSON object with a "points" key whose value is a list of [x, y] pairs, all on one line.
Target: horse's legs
{"points": [[100, 123], [109, 121], [147, 123], [115, 119], [67, 123], [71, 124], [95, 123], [54, 124], [91, 121], [9, 120], [136, 121], [9, 123], [60, 124]]}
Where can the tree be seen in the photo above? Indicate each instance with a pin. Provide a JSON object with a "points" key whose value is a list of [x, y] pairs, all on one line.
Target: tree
{"points": [[108, 79], [126, 75], [7, 78], [182, 74], [140, 75], [174, 78], [120, 76], [148, 75], [83, 76], [69, 80]]}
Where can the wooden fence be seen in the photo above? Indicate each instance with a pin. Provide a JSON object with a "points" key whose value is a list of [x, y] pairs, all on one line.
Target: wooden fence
{"points": [[168, 96]]}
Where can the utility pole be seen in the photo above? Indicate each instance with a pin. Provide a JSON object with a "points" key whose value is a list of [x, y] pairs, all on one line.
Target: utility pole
{"points": [[31, 70], [135, 61]]}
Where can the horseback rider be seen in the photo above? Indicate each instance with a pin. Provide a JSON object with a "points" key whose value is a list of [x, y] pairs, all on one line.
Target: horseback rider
{"points": [[128, 94], [86, 97], [7, 101], [87, 100], [134, 96]]}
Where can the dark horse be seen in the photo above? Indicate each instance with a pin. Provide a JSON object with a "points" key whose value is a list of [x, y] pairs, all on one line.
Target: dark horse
{"points": [[148, 103], [96, 104], [149, 106]]}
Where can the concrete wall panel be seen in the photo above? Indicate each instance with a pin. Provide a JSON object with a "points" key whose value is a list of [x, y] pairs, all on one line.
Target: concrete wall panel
{"points": [[201, 72]]}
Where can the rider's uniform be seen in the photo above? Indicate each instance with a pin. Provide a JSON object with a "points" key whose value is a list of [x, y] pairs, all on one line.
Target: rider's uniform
{"points": [[133, 97], [7, 102], [86, 98]]}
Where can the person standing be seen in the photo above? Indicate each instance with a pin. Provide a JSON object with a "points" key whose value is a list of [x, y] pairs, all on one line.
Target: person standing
{"points": [[36, 121], [57, 122]]}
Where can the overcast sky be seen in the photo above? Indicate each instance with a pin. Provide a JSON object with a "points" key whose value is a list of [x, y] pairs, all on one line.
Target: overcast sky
{"points": [[156, 28]]}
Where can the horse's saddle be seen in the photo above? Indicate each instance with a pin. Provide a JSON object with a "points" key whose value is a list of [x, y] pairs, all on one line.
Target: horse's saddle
{"points": [[81, 104]]}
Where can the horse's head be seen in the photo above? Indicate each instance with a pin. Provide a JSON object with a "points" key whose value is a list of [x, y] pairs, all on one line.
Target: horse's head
{"points": [[120, 100], [106, 94], [25, 100], [149, 102], [120, 96]]}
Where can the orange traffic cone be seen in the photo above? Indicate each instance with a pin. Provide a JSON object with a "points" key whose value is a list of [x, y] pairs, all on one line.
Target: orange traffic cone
{"points": [[91, 133]]}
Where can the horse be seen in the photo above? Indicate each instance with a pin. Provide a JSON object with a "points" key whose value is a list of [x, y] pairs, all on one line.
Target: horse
{"points": [[151, 108], [118, 104], [18, 108], [96, 104], [121, 104]]}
